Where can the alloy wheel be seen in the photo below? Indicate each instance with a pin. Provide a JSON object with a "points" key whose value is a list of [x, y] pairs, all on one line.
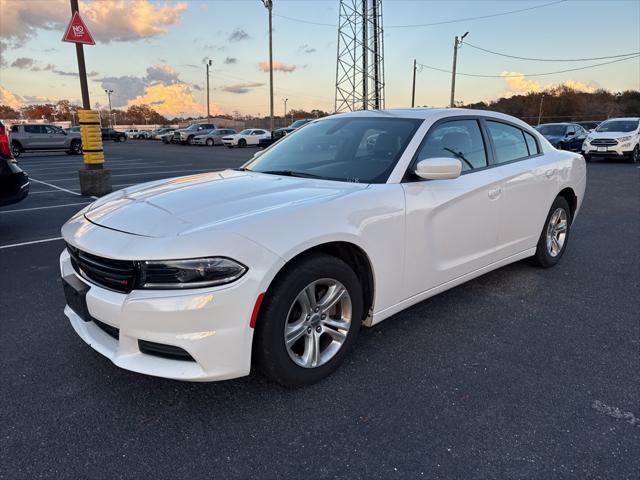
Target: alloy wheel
{"points": [[557, 232], [318, 323]]}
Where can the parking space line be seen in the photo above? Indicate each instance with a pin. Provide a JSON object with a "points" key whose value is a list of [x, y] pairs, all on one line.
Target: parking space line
{"points": [[18, 210], [12, 245], [59, 188]]}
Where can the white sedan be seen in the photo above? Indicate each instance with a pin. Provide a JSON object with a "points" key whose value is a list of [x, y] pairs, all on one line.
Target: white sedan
{"points": [[283, 260], [249, 136]]}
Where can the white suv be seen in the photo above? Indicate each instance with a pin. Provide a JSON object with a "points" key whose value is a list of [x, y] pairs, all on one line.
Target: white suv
{"points": [[616, 137]]}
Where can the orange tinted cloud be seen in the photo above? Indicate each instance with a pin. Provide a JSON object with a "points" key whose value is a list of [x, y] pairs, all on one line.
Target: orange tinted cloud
{"points": [[518, 84], [9, 98], [277, 67], [173, 100]]}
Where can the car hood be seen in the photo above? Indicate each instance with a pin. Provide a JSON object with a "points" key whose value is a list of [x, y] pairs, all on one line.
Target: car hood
{"points": [[184, 205], [595, 134]]}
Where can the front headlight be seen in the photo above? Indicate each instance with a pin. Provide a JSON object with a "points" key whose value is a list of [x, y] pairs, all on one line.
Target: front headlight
{"points": [[192, 273], [623, 139]]}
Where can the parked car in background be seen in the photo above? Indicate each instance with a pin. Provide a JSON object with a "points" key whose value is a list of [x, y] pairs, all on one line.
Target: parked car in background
{"points": [[14, 183], [281, 132], [111, 134], [144, 135], [160, 132], [563, 136], [186, 135], [72, 129], [40, 136], [213, 137], [279, 263], [616, 137], [589, 126], [167, 137], [249, 136], [132, 133]]}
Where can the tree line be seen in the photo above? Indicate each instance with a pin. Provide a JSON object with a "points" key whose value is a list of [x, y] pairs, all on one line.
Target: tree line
{"points": [[559, 104]]}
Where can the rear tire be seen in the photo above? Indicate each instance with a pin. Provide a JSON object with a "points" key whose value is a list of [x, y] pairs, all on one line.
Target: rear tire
{"points": [[288, 310], [555, 234], [16, 149]]}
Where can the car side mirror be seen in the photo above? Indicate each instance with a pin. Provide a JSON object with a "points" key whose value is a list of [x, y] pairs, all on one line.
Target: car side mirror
{"points": [[438, 168]]}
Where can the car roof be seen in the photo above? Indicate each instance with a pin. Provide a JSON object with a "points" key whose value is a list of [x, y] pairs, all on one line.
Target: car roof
{"points": [[623, 118], [557, 123]]}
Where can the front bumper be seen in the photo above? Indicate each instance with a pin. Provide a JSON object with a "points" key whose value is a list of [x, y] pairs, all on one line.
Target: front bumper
{"points": [[211, 325], [199, 141], [620, 150]]}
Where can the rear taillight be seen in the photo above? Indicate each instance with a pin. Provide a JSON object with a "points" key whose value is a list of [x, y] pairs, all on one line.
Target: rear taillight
{"points": [[5, 148]]}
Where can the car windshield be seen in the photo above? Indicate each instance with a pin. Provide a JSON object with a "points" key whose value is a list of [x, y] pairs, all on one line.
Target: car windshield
{"points": [[245, 132], [355, 149], [298, 123], [618, 126], [552, 130]]}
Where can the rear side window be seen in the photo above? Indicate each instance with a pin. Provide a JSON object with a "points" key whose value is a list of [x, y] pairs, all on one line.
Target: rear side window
{"points": [[34, 129], [459, 139], [532, 145], [508, 141]]}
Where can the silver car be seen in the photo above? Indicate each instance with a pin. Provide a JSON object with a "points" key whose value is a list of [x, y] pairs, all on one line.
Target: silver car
{"points": [[40, 136], [212, 137]]}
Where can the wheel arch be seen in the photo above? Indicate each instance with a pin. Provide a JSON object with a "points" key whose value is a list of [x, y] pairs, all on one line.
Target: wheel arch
{"points": [[349, 252], [570, 196]]}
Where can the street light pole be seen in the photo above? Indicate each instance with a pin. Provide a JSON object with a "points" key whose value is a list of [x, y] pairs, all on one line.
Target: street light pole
{"points": [[208, 109], [269, 5], [457, 43], [109, 92], [413, 89], [285, 100]]}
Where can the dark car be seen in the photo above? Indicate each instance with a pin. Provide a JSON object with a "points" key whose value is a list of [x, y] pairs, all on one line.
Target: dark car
{"points": [[281, 132], [564, 136], [589, 126], [111, 134], [14, 183]]}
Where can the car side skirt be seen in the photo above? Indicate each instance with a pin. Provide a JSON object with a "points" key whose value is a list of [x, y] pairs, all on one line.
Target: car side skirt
{"points": [[386, 313]]}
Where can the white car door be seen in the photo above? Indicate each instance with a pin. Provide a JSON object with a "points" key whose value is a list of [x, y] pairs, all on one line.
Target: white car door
{"points": [[451, 225], [530, 183], [254, 138]]}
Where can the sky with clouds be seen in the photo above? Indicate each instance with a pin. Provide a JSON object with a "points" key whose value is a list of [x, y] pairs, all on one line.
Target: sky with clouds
{"points": [[154, 52]]}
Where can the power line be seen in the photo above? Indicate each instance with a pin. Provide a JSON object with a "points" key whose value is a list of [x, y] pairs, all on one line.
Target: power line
{"points": [[443, 22], [550, 59], [528, 74]]}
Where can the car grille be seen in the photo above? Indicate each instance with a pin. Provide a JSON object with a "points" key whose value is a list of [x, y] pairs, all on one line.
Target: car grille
{"points": [[108, 329], [164, 351], [604, 142], [176, 135], [117, 275]]}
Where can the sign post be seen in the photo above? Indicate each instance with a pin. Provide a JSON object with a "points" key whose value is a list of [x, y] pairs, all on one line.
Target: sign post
{"points": [[95, 180]]}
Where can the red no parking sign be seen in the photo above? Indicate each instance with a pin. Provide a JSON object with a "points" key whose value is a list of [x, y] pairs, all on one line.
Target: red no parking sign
{"points": [[77, 31]]}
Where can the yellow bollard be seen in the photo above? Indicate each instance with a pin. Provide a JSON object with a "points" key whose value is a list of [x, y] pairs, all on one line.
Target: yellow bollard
{"points": [[91, 136], [95, 180]]}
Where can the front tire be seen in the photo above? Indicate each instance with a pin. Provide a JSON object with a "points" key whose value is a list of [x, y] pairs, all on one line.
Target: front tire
{"points": [[209, 142], [555, 234], [190, 140], [308, 321], [76, 147], [242, 143], [635, 155]]}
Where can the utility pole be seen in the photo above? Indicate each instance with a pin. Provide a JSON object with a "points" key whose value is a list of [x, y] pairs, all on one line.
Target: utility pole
{"points": [[109, 92], [540, 110], [208, 110], [285, 100], [269, 5], [456, 45], [413, 89]]}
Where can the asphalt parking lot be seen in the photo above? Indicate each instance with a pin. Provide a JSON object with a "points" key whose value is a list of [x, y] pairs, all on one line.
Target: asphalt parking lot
{"points": [[521, 373]]}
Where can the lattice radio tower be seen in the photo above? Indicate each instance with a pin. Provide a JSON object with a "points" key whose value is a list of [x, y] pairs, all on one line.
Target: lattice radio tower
{"points": [[360, 65]]}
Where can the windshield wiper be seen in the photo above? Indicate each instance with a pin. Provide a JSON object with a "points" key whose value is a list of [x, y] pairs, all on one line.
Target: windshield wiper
{"points": [[291, 173]]}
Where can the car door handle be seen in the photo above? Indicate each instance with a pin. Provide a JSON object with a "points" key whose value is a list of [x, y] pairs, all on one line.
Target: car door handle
{"points": [[494, 193], [549, 173]]}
